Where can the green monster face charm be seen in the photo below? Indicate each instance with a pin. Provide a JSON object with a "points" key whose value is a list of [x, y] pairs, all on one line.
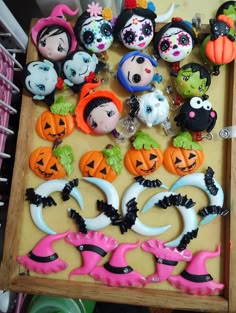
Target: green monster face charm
{"points": [[192, 80]]}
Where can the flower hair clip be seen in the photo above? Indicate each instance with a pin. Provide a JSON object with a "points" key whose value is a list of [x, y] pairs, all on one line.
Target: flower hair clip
{"points": [[132, 4], [94, 9]]}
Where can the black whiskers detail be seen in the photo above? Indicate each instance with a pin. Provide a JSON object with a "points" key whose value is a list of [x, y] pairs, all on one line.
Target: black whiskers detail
{"points": [[79, 221], [37, 199], [65, 193], [209, 181]]}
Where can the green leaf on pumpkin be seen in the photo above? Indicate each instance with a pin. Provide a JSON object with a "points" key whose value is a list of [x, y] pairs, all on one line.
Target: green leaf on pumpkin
{"points": [[144, 141], [66, 156], [184, 140], [62, 106], [114, 158]]}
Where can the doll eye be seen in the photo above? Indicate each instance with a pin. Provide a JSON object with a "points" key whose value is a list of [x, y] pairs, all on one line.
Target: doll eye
{"points": [[94, 125], [183, 40], [160, 98], [43, 43], [60, 48], [110, 113], [136, 78], [196, 103], [147, 29], [129, 37], [88, 37], [207, 105], [44, 68], [140, 60], [86, 60], [165, 45], [106, 30], [41, 87], [186, 78], [72, 72], [148, 109]]}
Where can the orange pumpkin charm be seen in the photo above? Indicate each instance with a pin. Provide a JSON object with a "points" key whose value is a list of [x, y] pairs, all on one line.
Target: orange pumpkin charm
{"points": [[49, 163], [145, 157], [56, 123], [184, 156], [105, 164]]}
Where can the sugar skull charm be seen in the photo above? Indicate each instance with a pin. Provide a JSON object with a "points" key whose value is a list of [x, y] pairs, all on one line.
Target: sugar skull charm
{"points": [[136, 72], [54, 36], [93, 29]]}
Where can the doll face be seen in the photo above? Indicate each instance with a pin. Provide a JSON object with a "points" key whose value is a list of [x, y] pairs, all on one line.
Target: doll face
{"points": [[189, 84], [138, 70], [175, 45], [137, 33], [104, 118], [54, 47], [42, 79], [96, 34], [154, 108], [80, 66]]}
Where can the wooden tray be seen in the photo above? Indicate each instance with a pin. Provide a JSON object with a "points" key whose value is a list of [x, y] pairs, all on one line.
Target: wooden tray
{"points": [[21, 234]]}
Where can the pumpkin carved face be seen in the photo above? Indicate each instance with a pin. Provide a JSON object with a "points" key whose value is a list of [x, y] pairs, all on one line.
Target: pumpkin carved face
{"points": [[45, 165], [51, 126]]}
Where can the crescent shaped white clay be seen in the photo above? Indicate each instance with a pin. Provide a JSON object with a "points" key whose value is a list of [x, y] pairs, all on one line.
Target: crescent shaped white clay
{"points": [[197, 180], [109, 190], [44, 190], [131, 192], [188, 215], [165, 16]]}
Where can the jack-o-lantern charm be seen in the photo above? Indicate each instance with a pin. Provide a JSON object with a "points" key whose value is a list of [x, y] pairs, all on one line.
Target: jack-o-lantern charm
{"points": [[145, 156], [184, 156], [48, 163], [105, 164]]}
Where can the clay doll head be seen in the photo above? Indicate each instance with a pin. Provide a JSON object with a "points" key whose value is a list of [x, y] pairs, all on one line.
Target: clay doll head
{"points": [[192, 80], [97, 112], [136, 71], [135, 25], [53, 36], [93, 28], [174, 41]]}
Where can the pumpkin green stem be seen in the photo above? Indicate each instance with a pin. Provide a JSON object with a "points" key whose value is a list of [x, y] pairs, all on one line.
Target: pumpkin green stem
{"points": [[144, 141], [66, 156], [62, 106], [184, 140], [113, 157]]}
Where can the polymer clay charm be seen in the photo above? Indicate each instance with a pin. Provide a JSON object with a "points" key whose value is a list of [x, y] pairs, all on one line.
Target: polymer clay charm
{"points": [[51, 163], [116, 272], [219, 47], [53, 36], [196, 115], [135, 25], [192, 80], [174, 42], [41, 79], [92, 246], [195, 279], [106, 164], [97, 112], [79, 68], [136, 72], [58, 122], [93, 29], [184, 156], [145, 156], [42, 259], [166, 258]]}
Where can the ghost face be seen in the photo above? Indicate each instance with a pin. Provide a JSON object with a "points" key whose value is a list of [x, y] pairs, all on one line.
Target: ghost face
{"points": [[175, 45], [138, 70], [96, 34], [154, 108], [54, 45], [104, 118], [137, 33], [42, 78], [79, 67]]}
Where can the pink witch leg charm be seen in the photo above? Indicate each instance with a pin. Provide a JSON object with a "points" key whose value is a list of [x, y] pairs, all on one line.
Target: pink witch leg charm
{"points": [[116, 272], [195, 278], [166, 259], [93, 246], [42, 259]]}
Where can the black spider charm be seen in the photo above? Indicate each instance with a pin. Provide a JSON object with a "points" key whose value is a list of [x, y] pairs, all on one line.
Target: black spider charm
{"points": [[196, 115]]}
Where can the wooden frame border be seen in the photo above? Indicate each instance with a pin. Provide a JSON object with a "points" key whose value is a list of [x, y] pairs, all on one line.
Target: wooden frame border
{"points": [[11, 280]]}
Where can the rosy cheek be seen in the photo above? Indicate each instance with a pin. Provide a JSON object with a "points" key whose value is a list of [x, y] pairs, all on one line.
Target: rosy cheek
{"points": [[191, 114], [212, 114]]}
